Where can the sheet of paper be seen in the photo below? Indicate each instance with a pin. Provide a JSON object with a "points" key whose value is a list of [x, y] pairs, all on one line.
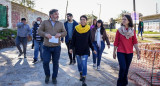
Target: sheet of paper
{"points": [[54, 40]]}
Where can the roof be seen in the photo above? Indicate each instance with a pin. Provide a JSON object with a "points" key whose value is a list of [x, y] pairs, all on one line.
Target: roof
{"points": [[151, 17]]}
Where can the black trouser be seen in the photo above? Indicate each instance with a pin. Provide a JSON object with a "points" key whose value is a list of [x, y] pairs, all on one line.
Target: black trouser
{"points": [[124, 63], [70, 55]]}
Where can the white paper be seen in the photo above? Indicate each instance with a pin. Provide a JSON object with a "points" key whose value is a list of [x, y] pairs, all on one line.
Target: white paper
{"points": [[54, 40]]}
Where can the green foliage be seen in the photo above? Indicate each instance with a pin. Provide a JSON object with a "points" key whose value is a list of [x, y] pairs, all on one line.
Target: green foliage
{"points": [[5, 33], [90, 19], [27, 3]]}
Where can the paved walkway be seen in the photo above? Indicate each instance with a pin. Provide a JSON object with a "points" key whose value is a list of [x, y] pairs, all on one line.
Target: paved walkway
{"points": [[22, 72]]}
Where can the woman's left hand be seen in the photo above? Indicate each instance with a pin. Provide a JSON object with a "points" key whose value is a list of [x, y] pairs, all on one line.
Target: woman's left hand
{"points": [[138, 56]]}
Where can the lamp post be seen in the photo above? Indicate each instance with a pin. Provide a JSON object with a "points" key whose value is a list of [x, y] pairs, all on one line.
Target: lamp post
{"points": [[156, 8], [99, 11], [66, 10], [134, 9]]}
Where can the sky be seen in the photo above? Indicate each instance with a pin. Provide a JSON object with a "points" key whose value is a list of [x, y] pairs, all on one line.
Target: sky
{"points": [[109, 8]]}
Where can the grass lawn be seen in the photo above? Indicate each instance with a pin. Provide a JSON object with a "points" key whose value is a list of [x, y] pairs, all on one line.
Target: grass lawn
{"points": [[143, 41], [139, 38], [112, 30], [145, 32], [153, 37]]}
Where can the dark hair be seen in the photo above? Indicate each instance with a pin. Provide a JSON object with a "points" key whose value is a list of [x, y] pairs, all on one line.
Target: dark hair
{"points": [[23, 19], [130, 20], [69, 14], [39, 18], [102, 28], [84, 16], [94, 20], [52, 11]]}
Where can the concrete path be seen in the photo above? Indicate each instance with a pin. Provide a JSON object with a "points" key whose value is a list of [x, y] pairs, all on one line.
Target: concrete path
{"points": [[22, 72]]}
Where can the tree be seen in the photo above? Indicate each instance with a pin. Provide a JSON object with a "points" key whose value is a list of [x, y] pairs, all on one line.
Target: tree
{"points": [[119, 18], [90, 18], [27, 3], [124, 12]]}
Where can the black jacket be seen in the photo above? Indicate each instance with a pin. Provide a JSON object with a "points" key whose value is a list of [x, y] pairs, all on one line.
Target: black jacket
{"points": [[82, 43], [35, 33]]}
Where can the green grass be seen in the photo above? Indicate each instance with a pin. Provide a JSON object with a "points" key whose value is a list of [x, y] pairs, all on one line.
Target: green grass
{"points": [[153, 37], [145, 32], [150, 32], [112, 30], [143, 41]]}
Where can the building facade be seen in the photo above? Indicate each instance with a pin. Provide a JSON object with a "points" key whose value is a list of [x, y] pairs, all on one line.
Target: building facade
{"points": [[11, 13]]}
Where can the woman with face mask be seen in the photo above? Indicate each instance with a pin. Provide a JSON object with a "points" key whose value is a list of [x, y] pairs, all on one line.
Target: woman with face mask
{"points": [[81, 42], [123, 46]]}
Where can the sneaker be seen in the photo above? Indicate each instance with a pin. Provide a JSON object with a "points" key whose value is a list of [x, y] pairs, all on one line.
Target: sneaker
{"points": [[80, 76], [35, 61], [47, 79], [70, 63], [74, 62], [84, 81], [98, 68], [94, 65], [54, 80], [142, 38], [20, 54]]}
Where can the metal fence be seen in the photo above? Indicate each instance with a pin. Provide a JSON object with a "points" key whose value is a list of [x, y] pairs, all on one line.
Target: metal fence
{"points": [[146, 70]]}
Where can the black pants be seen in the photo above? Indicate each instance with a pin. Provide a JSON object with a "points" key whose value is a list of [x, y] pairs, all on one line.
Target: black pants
{"points": [[70, 55], [124, 63]]}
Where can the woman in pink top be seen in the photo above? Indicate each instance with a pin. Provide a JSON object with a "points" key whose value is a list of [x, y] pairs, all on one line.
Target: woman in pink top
{"points": [[94, 24], [123, 46]]}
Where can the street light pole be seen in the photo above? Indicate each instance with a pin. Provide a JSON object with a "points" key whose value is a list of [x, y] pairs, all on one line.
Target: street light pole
{"points": [[100, 11], [134, 9], [156, 8], [92, 17], [66, 10]]}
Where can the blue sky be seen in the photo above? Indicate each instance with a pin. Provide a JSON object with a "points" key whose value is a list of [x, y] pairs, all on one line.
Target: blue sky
{"points": [[110, 8]]}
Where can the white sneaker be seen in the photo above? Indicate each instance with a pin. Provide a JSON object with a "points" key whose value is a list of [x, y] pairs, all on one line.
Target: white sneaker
{"points": [[98, 68], [94, 65]]}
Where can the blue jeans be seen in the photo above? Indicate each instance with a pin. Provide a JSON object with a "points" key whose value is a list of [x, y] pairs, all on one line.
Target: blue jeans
{"points": [[47, 53], [124, 63], [82, 64], [38, 47], [140, 31], [99, 51], [22, 40]]}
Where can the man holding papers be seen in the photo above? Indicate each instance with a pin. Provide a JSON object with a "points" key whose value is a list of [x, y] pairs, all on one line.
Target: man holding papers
{"points": [[52, 30]]}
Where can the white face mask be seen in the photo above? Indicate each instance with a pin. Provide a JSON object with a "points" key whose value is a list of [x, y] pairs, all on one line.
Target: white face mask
{"points": [[38, 22]]}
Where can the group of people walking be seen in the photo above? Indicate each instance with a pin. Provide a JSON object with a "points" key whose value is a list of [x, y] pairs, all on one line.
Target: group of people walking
{"points": [[79, 39]]}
